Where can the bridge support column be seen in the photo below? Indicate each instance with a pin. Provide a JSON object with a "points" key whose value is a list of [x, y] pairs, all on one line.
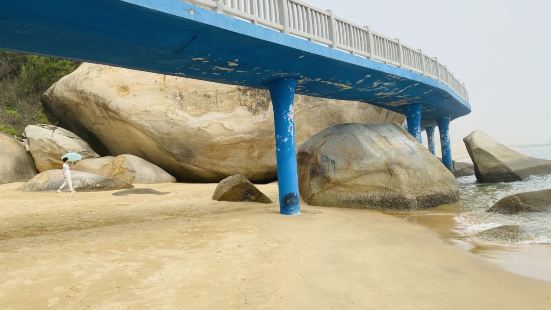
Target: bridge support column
{"points": [[413, 117], [430, 139], [282, 92], [444, 128]]}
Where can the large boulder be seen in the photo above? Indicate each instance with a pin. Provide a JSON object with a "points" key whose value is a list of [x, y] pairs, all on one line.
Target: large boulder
{"points": [[524, 202], [494, 162], [47, 143], [372, 166], [195, 130], [126, 168], [238, 188], [82, 181], [16, 165]]}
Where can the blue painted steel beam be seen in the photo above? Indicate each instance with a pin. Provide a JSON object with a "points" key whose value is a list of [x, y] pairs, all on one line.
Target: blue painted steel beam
{"points": [[282, 92], [444, 129], [413, 117], [177, 38], [430, 139]]}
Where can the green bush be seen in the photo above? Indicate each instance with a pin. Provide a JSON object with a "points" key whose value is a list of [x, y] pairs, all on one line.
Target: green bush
{"points": [[8, 130], [23, 79], [38, 73], [12, 113]]}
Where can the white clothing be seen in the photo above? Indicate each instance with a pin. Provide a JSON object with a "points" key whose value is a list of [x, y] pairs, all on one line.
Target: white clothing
{"points": [[67, 176], [66, 170], [67, 181]]}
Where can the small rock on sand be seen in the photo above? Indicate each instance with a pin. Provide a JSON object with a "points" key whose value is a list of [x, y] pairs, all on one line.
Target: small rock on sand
{"points": [[239, 188]]}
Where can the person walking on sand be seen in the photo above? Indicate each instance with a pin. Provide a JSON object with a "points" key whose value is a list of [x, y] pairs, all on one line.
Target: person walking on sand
{"points": [[66, 176]]}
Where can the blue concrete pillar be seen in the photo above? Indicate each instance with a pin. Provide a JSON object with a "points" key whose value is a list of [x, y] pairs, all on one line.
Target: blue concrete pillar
{"points": [[444, 128], [430, 139], [413, 117], [282, 92]]}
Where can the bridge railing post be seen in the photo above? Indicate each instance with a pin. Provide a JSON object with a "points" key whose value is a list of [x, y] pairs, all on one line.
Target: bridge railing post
{"points": [[282, 92], [400, 53], [284, 14], [220, 6], [437, 69], [370, 42], [332, 28], [423, 70], [254, 8]]}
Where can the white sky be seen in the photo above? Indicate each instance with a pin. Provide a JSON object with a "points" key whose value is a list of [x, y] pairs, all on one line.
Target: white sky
{"points": [[501, 49]]}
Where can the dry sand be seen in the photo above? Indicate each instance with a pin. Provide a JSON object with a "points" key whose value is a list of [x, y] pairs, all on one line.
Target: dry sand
{"points": [[184, 251]]}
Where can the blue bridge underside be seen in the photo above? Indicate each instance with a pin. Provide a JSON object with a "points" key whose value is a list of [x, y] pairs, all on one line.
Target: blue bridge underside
{"points": [[177, 38]]}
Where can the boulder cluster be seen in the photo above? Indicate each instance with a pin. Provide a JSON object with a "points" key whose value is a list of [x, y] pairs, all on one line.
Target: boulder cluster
{"points": [[135, 127], [40, 152], [494, 163], [195, 130]]}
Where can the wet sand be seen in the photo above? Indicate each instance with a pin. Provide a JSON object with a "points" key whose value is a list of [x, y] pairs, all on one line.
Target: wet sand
{"points": [[185, 251], [531, 260]]}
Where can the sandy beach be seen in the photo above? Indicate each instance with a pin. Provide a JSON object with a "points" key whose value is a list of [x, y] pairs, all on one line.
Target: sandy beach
{"points": [[184, 251], [530, 260]]}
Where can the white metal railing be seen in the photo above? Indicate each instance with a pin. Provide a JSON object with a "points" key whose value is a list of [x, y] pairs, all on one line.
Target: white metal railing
{"points": [[303, 20]]}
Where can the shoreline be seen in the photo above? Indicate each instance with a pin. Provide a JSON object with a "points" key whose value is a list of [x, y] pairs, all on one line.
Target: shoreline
{"points": [[183, 249], [530, 260]]}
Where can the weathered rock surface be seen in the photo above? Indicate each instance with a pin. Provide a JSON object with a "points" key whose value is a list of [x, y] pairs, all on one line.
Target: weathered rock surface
{"points": [[494, 162], [47, 143], [461, 169], [16, 165], [82, 181], [238, 188], [195, 130], [524, 202], [372, 166], [505, 233], [126, 168]]}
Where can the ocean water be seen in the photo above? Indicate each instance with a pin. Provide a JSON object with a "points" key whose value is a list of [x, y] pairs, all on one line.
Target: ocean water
{"points": [[477, 198]]}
